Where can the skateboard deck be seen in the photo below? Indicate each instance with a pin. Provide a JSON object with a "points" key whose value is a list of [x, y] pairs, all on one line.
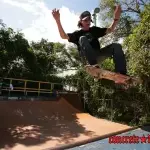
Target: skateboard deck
{"points": [[99, 73]]}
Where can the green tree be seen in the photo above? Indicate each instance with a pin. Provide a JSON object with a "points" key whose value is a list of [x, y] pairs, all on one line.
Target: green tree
{"points": [[138, 47], [130, 17], [13, 47], [36, 61]]}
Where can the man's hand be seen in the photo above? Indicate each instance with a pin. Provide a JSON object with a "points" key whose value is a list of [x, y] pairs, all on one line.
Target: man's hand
{"points": [[117, 14], [56, 14]]}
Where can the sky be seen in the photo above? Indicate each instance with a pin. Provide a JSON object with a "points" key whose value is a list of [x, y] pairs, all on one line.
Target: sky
{"points": [[34, 18]]}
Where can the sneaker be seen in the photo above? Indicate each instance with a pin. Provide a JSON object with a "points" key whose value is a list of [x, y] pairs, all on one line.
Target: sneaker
{"points": [[96, 66]]}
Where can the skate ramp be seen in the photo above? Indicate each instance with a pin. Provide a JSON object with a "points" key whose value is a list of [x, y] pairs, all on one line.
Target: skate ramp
{"points": [[39, 125]]}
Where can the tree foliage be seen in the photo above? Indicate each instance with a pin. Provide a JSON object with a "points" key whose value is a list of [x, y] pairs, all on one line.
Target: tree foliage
{"points": [[38, 60], [130, 17], [13, 48], [138, 47]]}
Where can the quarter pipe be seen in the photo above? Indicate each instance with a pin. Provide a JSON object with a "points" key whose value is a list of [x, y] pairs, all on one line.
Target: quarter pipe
{"points": [[39, 125]]}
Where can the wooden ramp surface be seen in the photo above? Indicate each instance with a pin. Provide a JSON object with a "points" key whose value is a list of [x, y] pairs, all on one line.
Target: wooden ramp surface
{"points": [[38, 125]]}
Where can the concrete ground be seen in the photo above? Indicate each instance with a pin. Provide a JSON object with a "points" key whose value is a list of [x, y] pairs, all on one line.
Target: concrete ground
{"points": [[105, 144]]}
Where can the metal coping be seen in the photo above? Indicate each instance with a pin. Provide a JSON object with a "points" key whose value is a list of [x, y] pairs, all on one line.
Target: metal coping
{"points": [[83, 142]]}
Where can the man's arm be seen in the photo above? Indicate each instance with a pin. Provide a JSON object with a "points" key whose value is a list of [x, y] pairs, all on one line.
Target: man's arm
{"points": [[56, 16], [117, 14], [61, 30]]}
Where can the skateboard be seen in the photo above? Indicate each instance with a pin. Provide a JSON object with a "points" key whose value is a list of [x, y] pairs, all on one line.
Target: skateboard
{"points": [[99, 73]]}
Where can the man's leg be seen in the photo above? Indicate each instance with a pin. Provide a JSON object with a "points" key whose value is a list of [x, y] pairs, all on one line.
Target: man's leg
{"points": [[87, 51], [94, 56], [114, 50]]}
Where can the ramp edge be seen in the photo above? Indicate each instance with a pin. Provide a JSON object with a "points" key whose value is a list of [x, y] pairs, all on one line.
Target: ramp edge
{"points": [[83, 142]]}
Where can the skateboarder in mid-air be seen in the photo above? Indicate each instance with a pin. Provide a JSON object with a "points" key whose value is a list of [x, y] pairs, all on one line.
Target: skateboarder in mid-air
{"points": [[87, 42]]}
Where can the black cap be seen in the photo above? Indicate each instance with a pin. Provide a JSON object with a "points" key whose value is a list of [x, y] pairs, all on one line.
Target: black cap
{"points": [[85, 14]]}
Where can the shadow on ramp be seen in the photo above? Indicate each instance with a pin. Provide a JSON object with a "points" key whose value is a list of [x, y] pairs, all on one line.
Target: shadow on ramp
{"points": [[33, 123], [48, 124]]}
